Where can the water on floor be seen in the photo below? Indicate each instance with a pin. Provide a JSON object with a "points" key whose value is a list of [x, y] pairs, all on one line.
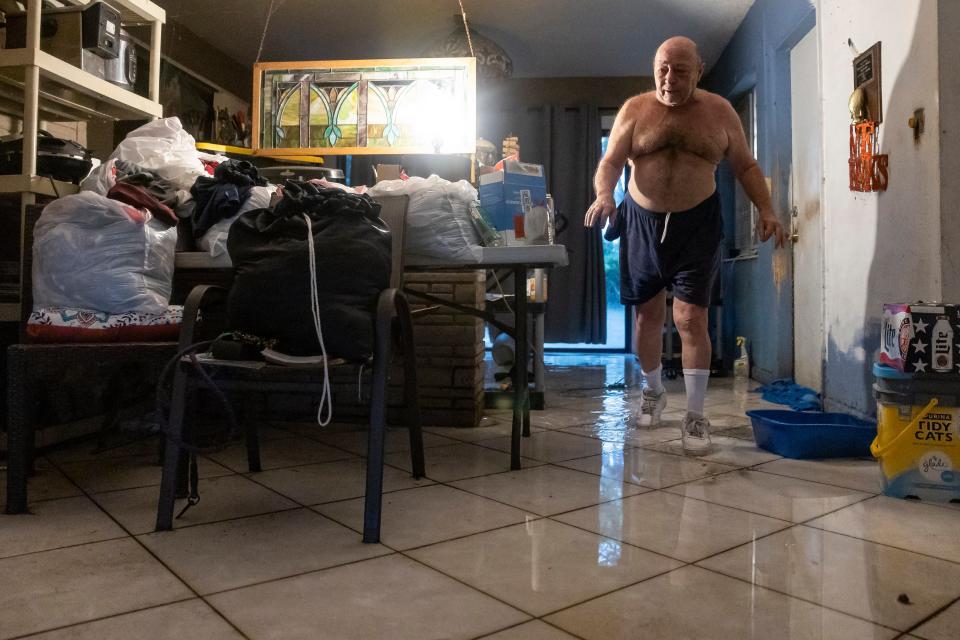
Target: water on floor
{"points": [[607, 532]]}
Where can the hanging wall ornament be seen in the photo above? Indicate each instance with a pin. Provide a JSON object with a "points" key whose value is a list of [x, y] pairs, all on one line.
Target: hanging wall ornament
{"points": [[869, 169]]}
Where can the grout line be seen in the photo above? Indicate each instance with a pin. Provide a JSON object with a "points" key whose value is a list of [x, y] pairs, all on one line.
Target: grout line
{"points": [[150, 552], [460, 537], [300, 574], [757, 468], [732, 469], [879, 544], [651, 490], [290, 466], [469, 586], [124, 536], [157, 485], [821, 605], [930, 617], [134, 535], [447, 483], [571, 633], [517, 607], [789, 525], [520, 624], [183, 580], [106, 617], [395, 552], [602, 595]]}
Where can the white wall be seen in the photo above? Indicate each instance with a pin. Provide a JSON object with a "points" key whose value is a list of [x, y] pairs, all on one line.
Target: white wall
{"points": [[878, 247]]}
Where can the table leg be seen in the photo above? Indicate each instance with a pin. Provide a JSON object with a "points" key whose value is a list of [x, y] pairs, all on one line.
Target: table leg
{"points": [[20, 431], [521, 397], [538, 333]]}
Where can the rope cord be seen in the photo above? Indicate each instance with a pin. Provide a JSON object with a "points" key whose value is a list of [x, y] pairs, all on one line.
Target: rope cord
{"points": [[466, 28], [326, 397], [266, 25]]}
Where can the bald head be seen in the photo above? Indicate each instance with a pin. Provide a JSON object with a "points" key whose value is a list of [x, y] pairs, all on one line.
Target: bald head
{"points": [[677, 68], [679, 45]]}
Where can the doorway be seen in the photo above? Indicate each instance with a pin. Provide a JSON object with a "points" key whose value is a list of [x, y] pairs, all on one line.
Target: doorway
{"points": [[806, 219], [619, 319]]}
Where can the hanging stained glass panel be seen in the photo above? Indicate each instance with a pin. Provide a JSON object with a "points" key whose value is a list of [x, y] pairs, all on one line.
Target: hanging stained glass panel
{"points": [[424, 105]]}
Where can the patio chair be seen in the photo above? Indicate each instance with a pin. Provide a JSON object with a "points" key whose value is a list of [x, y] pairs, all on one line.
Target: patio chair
{"points": [[393, 329]]}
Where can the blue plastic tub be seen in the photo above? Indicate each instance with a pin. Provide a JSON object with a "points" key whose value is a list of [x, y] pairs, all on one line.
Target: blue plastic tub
{"points": [[808, 434]]}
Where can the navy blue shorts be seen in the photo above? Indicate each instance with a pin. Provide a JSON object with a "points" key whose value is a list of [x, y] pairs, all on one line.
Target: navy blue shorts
{"points": [[678, 251]]}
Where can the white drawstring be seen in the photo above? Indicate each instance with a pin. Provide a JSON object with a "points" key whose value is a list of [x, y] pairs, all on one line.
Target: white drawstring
{"points": [[666, 223], [326, 397]]}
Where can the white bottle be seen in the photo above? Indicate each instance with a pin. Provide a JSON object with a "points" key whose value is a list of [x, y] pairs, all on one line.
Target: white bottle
{"points": [[741, 366], [942, 346], [551, 221], [535, 225]]}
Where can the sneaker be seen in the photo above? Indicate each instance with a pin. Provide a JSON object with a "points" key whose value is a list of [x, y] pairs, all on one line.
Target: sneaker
{"points": [[695, 432], [651, 406]]}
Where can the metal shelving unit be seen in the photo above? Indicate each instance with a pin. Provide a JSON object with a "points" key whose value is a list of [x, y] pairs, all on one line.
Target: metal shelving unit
{"points": [[35, 85]]}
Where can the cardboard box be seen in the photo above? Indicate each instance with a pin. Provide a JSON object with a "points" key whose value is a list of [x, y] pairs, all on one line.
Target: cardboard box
{"points": [[387, 172], [502, 193], [922, 339]]}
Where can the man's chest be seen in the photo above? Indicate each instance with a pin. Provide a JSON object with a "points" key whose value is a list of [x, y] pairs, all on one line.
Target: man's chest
{"points": [[692, 132]]}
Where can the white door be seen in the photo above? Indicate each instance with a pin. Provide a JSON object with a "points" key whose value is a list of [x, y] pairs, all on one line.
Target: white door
{"points": [[805, 217]]}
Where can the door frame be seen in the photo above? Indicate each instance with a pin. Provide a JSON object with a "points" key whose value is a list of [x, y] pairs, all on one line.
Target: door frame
{"points": [[816, 232], [783, 166]]}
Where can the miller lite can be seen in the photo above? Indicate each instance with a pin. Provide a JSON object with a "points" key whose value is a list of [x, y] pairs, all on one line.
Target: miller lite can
{"points": [[941, 340]]}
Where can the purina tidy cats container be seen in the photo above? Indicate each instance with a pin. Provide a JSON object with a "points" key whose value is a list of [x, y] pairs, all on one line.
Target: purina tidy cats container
{"points": [[918, 435]]}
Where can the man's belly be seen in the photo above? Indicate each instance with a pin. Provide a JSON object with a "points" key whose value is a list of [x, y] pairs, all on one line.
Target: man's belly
{"points": [[670, 181]]}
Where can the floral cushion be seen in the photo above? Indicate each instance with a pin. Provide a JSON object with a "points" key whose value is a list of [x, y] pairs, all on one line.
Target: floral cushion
{"points": [[56, 324]]}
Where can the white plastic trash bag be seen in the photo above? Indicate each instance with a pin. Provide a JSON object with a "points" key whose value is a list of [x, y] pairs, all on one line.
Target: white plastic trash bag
{"points": [[215, 239], [161, 147], [438, 217], [90, 252]]}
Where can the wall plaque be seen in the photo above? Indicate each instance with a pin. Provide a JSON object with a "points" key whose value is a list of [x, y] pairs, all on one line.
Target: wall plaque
{"points": [[866, 75]]}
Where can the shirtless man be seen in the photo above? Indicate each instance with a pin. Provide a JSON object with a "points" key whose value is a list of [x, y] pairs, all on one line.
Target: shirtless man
{"points": [[669, 223]]}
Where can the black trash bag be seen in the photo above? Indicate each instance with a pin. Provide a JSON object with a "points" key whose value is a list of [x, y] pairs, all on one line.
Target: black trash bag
{"points": [[270, 297], [221, 196]]}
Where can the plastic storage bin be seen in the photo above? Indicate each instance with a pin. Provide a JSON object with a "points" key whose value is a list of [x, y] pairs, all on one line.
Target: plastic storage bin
{"points": [[918, 435], [807, 434]]}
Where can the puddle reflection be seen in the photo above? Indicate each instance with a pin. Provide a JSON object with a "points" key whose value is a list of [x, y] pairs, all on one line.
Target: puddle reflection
{"points": [[610, 514]]}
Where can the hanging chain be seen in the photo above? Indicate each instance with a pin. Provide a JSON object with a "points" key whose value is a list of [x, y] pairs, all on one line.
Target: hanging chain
{"points": [[266, 25], [466, 28]]}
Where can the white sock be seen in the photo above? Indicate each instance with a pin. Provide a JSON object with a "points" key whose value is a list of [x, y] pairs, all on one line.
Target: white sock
{"points": [[652, 381], [696, 383]]}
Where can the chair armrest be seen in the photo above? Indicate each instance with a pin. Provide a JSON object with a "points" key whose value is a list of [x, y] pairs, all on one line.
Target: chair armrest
{"points": [[392, 303], [201, 296]]}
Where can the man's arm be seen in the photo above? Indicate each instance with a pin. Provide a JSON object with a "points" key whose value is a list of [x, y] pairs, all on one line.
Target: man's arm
{"points": [[748, 172], [611, 167]]}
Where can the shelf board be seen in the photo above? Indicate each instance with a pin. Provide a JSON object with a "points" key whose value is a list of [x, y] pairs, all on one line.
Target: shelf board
{"points": [[64, 87], [37, 184], [132, 11], [212, 147], [138, 11]]}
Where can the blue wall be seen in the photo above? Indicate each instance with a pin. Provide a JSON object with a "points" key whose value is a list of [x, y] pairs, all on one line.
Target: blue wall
{"points": [[758, 293]]}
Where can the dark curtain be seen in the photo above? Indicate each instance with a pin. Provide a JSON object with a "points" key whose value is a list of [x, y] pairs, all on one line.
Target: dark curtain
{"points": [[566, 141]]}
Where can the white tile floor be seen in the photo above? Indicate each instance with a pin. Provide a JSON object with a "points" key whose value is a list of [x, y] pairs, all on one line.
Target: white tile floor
{"points": [[608, 532]]}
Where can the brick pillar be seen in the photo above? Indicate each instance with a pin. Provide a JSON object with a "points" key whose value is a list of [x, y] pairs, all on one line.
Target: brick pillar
{"points": [[449, 345], [450, 365]]}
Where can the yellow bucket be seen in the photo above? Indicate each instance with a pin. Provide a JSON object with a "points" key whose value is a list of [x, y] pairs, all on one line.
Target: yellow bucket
{"points": [[919, 450]]}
